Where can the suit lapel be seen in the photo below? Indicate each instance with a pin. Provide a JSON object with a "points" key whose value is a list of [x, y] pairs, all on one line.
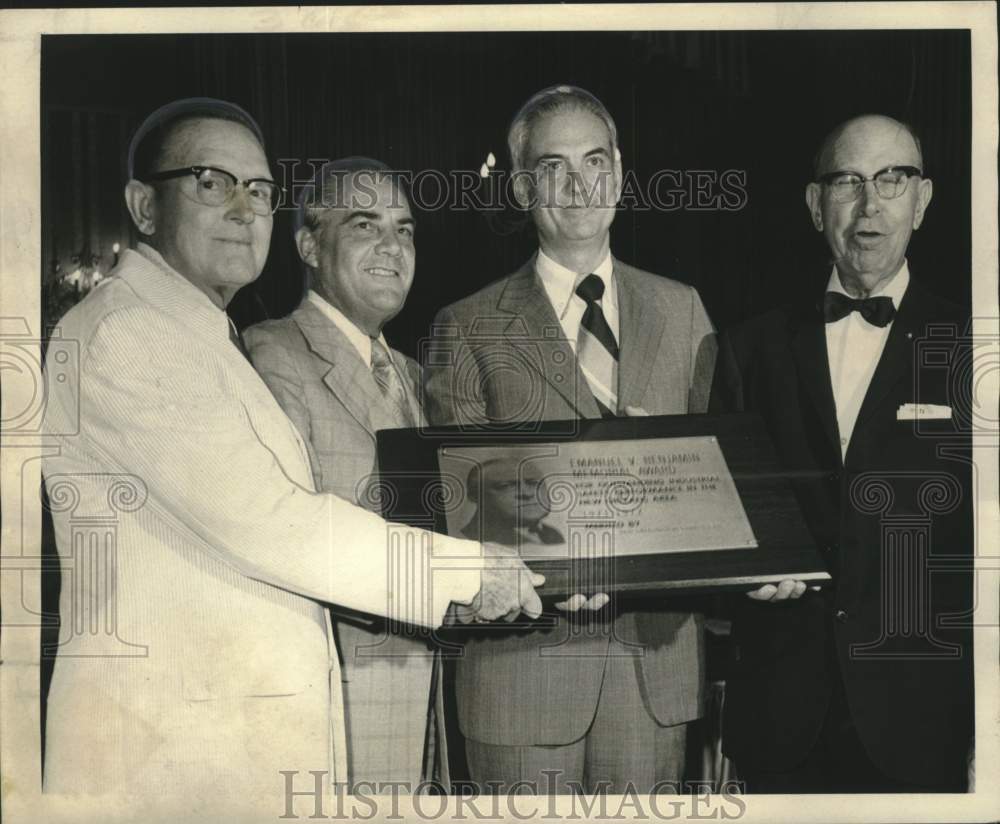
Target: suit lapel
{"points": [[348, 378], [536, 332], [897, 356], [414, 385], [813, 365], [640, 331]]}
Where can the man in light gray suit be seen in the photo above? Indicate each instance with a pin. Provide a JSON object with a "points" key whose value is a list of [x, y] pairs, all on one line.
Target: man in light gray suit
{"points": [[333, 373], [575, 334]]}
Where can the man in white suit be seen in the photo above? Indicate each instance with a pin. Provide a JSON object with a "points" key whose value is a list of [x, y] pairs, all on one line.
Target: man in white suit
{"points": [[225, 554], [332, 371]]}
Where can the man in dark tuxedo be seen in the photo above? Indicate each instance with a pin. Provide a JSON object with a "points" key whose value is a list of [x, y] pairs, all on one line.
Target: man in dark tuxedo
{"points": [[865, 685]]}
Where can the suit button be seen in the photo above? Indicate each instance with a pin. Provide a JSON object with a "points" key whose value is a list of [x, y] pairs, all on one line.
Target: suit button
{"points": [[840, 615]]}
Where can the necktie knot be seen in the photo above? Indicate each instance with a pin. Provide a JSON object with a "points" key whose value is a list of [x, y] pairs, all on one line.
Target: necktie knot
{"points": [[591, 289], [878, 311], [380, 357]]}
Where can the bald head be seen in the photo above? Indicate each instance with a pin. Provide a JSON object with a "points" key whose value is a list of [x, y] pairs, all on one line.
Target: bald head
{"points": [[862, 130]]}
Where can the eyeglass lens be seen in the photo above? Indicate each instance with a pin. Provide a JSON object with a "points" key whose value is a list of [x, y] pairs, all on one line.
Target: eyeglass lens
{"points": [[889, 184], [216, 187]]}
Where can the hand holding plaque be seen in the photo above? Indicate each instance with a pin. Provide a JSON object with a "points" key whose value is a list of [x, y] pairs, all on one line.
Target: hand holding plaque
{"points": [[784, 591], [580, 602], [507, 590]]}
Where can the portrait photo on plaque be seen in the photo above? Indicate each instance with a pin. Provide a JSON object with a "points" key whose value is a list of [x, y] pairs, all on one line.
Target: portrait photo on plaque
{"points": [[595, 498]]}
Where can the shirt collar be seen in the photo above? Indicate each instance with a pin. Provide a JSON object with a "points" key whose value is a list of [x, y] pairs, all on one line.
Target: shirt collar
{"points": [[894, 289], [359, 339], [560, 283], [198, 307]]}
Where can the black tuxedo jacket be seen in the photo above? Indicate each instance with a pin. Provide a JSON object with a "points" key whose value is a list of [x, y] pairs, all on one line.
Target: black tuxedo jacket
{"points": [[894, 519]]}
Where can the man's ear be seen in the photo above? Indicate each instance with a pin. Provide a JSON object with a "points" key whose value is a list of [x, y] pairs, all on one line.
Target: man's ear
{"points": [[813, 194], [140, 198], [305, 242], [924, 194]]}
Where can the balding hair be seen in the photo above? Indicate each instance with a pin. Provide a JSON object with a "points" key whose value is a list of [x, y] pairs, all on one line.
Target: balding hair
{"points": [[826, 147]]}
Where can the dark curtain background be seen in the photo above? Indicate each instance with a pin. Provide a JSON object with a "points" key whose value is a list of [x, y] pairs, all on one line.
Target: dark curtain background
{"points": [[754, 101]]}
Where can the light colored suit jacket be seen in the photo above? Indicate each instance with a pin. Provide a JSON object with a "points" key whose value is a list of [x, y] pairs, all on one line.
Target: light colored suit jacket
{"points": [[330, 395], [501, 356], [319, 379], [202, 662]]}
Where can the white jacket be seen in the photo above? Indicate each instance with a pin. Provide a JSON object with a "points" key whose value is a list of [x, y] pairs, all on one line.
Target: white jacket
{"points": [[195, 656]]}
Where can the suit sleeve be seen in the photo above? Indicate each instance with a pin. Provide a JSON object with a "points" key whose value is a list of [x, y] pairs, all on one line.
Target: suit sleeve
{"points": [[453, 391], [703, 355], [154, 405], [276, 365]]}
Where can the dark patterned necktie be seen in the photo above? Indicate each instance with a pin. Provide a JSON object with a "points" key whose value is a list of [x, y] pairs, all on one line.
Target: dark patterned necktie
{"points": [[877, 311], [386, 376], [596, 347]]}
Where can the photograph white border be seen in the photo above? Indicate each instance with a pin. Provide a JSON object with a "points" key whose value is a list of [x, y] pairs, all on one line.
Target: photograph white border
{"points": [[20, 269]]}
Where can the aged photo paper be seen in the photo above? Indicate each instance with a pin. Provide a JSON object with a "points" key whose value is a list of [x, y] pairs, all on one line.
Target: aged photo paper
{"points": [[59, 240]]}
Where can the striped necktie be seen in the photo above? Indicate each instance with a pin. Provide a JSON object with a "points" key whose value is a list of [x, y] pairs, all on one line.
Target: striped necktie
{"points": [[391, 384], [596, 347]]}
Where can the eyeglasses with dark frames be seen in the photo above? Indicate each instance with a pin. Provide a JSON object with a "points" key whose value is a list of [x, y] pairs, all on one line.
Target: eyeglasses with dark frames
{"points": [[890, 182], [216, 187]]}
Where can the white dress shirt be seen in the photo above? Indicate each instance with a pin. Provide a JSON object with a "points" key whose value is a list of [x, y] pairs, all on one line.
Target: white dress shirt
{"points": [[560, 285], [854, 347], [359, 339]]}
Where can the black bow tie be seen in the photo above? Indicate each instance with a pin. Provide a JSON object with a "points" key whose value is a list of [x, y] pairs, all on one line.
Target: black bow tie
{"points": [[877, 311]]}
